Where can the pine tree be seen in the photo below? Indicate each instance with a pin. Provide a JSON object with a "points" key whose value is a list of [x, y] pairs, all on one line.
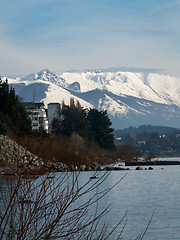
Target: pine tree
{"points": [[12, 109], [100, 128], [74, 120]]}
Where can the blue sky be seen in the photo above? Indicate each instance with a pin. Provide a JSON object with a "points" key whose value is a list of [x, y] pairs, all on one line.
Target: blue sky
{"points": [[67, 35]]}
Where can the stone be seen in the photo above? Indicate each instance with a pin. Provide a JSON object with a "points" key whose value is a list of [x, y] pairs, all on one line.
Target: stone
{"points": [[83, 168], [139, 168]]}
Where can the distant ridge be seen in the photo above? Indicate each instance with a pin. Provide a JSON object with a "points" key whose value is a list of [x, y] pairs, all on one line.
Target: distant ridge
{"points": [[147, 129], [152, 141]]}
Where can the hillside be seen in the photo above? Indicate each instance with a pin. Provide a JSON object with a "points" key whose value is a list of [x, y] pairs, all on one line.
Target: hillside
{"points": [[159, 141], [147, 129]]}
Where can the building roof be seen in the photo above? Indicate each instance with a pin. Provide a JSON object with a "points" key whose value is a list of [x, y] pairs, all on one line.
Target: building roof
{"points": [[54, 103], [33, 105]]}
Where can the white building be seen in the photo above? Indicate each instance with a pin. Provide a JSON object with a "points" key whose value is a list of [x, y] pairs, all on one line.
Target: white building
{"points": [[53, 113], [38, 115]]}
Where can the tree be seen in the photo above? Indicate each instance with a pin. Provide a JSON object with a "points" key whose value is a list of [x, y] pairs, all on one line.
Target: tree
{"points": [[74, 120], [4, 92], [4, 123], [90, 124], [56, 126], [100, 128], [128, 153], [12, 108]]}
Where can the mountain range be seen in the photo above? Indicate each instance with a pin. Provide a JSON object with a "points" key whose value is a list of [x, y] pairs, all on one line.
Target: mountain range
{"points": [[130, 98]]}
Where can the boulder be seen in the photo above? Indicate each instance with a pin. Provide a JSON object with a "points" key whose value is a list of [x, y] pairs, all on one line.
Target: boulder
{"points": [[83, 168], [139, 168]]}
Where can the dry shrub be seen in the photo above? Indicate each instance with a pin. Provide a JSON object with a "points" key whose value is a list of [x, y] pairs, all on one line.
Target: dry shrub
{"points": [[53, 149], [127, 153], [55, 207], [73, 151]]}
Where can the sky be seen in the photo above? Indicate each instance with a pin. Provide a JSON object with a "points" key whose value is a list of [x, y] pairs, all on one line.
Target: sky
{"points": [[64, 35]]}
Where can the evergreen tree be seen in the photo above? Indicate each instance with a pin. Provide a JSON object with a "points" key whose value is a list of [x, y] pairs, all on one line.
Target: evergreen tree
{"points": [[100, 128], [73, 120], [92, 124], [72, 103], [4, 91], [12, 109], [56, 126]]}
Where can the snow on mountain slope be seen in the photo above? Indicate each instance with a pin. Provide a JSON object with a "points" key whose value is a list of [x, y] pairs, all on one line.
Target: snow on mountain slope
{"points": [[155, 87], [44, 91], [88, 80], [167, 87], [115, 108], [126, 111]]}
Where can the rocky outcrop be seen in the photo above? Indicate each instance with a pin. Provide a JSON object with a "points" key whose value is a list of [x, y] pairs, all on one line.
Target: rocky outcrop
{"points": [[13, 153], [14, 157]]}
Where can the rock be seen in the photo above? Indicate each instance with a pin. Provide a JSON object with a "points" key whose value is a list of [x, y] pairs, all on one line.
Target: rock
{"points": [[15, 154], [88, 169], [150, 168], [96, 166], [74, 168], [83, 168], [139, 168], [94, 177]]}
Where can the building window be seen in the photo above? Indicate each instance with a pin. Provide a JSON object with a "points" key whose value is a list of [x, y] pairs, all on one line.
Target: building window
{"points": [[41, 120]]}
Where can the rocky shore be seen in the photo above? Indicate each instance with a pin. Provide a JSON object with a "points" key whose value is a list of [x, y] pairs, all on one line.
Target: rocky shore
{"points": [[15, 159]]}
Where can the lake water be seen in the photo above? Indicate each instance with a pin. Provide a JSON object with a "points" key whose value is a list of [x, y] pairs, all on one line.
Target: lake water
{"points": [[141, 193]]}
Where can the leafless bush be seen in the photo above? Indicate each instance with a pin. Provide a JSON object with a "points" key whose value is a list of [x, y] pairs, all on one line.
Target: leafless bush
{"points": [[55, 206]]}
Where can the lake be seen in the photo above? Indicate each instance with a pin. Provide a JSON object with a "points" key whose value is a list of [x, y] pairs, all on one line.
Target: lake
{"points": [[141, 193]]}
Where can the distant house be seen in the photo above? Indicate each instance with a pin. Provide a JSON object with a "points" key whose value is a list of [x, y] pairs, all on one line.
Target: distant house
{"points": [[37, 114], [178, 135], [141, 143]]}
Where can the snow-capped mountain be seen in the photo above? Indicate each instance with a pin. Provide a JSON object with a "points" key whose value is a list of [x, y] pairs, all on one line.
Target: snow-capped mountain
{"points": [[130, 98], [44, 86], [47, 76], [154, 87]]}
